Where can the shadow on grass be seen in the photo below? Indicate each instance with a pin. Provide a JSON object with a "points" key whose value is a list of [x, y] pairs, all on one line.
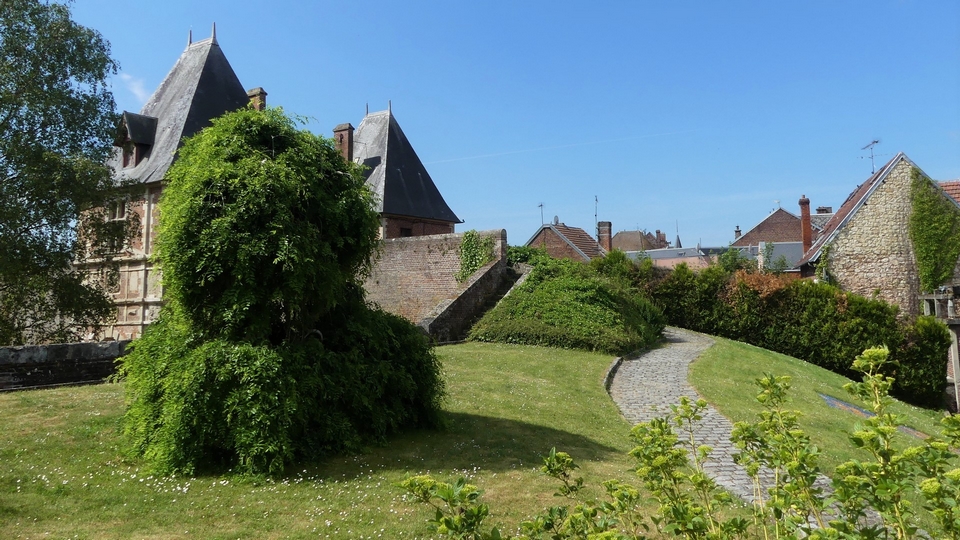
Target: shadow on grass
{"points": [[469, 441]]}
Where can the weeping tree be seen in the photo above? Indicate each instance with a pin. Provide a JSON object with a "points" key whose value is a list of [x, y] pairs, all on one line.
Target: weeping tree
{"points": [[57, 124], [265, 351]]}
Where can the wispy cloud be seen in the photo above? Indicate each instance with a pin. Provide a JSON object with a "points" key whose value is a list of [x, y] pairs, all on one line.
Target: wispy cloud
{"points": [[559, 147], [135, 86]]}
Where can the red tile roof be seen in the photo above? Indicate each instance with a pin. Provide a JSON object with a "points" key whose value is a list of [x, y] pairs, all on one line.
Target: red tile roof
{"points": [[579, 238], [952, 188]]}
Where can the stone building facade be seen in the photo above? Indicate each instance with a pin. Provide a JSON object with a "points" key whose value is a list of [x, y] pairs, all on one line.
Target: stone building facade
{"points": [[867, 242], [200, 87]]}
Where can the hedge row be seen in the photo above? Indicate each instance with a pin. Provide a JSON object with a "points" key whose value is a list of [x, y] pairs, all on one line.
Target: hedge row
{"points": [[815, 322], [571, 305]]}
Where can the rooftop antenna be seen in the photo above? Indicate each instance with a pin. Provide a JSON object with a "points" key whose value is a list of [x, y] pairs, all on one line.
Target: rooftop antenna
{"points": [[596, 224], [213, 35], [778, 203], [870, 146], [541, 214]]}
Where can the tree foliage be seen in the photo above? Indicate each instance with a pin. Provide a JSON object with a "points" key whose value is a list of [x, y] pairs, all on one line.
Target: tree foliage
{"points": [[265, 351], [56, 125]]}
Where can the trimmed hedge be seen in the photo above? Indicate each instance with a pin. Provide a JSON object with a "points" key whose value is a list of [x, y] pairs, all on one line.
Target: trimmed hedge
{"points": [[570, 305], [815, 322]]}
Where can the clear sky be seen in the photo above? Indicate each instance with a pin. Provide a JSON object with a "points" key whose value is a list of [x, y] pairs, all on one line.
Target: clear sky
{"points": [[697, 115]]}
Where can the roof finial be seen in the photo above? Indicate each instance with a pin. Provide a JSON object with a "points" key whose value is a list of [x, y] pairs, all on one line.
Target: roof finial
{"points": [[368, 110], [190, 37], [389, 107], [213, 37]]}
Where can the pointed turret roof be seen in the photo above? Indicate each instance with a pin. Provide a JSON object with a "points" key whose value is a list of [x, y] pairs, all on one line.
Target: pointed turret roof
{"points": [[200, 87], [395, 173]]}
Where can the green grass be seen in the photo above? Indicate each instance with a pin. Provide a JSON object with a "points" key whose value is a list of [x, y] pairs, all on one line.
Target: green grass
{"points": [[62, 475], [725, 374]]}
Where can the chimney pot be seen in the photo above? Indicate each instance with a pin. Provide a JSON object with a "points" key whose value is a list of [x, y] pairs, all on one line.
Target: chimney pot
{"points": [[343, 137], [258, 98], [737, 233]]}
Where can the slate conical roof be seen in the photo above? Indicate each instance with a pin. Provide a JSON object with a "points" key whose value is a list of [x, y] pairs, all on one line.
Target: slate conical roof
{"points": [[200, 87], [395, 173]]}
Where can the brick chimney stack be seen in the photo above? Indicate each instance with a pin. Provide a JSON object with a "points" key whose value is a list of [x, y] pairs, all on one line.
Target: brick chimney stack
{"points": [[737, 233], [258, 98], [806, 231], [603, 235], [343, 137]]}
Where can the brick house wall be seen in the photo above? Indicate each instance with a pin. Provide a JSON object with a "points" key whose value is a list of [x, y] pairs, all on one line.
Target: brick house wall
{"points": [[401, 226], [555, 246]]}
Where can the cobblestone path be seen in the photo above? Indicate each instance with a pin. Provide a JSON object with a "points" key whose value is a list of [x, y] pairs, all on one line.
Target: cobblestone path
{"points": [[645, 387]]}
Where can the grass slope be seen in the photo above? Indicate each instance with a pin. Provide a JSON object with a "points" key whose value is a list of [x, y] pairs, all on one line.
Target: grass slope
{"points": [[61, 474], [725, 374]]}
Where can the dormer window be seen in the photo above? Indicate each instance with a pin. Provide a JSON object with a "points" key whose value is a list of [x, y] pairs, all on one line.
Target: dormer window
{"points": [[135, 137]]}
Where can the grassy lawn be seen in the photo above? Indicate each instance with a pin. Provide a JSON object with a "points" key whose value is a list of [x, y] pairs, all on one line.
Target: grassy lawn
{"points": [[61, 474], [725, 374]]}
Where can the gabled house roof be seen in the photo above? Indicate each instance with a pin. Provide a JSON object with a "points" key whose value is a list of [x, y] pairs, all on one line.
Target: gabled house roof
{"points": [[577, 238], [634, 241], [395, 173], [779, 226], [854, 202], [201, 86]]}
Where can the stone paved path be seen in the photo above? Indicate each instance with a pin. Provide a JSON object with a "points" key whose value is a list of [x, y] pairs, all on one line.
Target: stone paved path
{"points": [[645, 387]]}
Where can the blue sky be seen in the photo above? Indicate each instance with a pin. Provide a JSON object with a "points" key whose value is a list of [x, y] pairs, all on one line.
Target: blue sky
{"points": [[697, 115]]}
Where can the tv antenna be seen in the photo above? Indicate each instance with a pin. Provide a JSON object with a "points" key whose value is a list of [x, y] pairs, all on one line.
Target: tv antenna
{"points": [[596, 224], [870, 146], [541, 213]]}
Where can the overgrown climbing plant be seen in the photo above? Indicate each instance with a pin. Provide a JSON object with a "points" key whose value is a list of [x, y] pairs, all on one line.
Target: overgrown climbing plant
{"points": [[475, 251], [934, 230]]}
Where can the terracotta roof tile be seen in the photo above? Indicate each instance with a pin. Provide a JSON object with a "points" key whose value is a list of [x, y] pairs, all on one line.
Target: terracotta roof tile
{"points": [[952, 188], [579, 237]]}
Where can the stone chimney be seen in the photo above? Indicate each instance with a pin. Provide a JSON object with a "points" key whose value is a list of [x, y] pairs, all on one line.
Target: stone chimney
{"points": [[737, 233], [343, 137], [603, 235], [806, 231], [824, 209], [258, 98]]}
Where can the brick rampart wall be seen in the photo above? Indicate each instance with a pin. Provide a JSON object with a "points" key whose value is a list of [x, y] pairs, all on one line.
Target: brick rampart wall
{"points": [[450, 320], [414, 275], [67, 363]]}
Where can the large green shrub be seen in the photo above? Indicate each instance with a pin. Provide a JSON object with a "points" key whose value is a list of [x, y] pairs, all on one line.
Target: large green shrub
{"points": [[568, 304], [265, 350], [816, 322]]}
